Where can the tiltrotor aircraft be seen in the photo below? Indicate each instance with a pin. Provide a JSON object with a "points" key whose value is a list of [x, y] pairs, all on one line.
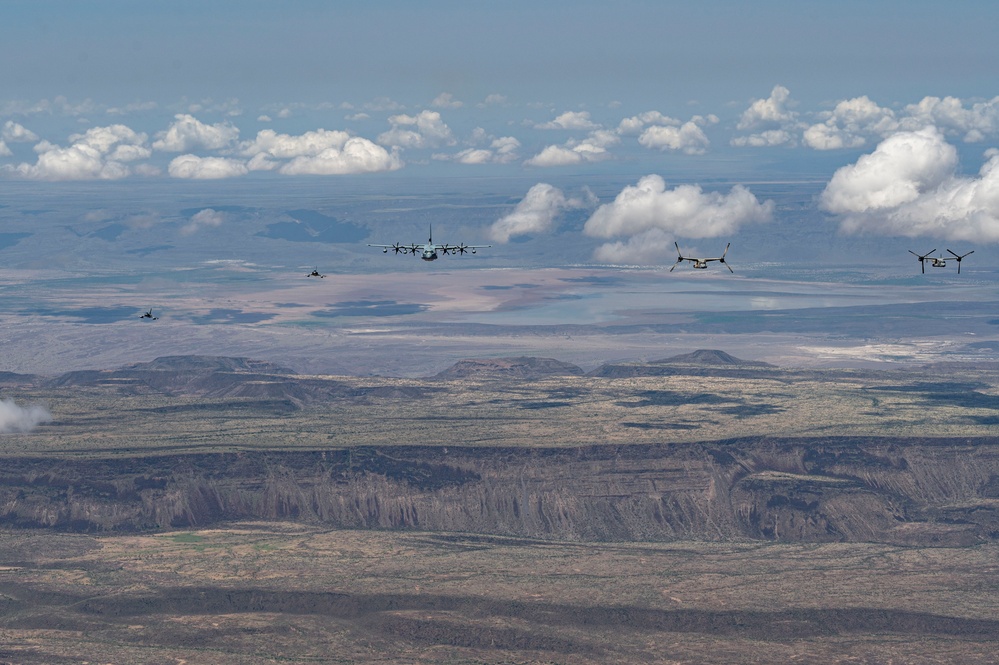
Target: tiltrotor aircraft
{"points": [[428, 252], [939, 261], [699, 262]]}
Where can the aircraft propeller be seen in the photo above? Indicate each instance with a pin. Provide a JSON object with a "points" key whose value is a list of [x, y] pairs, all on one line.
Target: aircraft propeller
{"points": [[959, 257], [922, 259]]}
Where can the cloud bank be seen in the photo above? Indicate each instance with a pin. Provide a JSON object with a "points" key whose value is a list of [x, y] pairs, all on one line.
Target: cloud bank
{"points": [[102, 153], [14, 418]]}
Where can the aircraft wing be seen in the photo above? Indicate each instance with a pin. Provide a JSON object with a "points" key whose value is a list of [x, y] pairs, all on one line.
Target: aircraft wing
{"points": [[406, 249], [459, 248]]}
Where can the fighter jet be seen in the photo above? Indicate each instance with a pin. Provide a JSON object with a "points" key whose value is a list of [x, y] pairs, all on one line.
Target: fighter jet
{"points": [[428, 252], [700, 263], [149, 315], [315, 273]]}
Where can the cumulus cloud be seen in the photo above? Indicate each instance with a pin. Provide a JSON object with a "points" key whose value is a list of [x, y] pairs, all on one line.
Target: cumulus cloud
{"points": [[446, 100], [688, 138], [636, 123], [897, 172], [536, 213], [909, 186], [685, 210], [319, 152], [16, 133], [193, 167], [849, 124], [855, 121], [101, 153], [424, 130], [188, 133], [650, 246], [975, 123], [207, 218], [494, 99], [570, 120], [502, 150], [662, 132], [591, 149], [770, 121], [14, 418]]}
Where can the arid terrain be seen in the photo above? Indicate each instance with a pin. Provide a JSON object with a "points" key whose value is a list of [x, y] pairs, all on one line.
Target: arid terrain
{"points": [[697, 509]]}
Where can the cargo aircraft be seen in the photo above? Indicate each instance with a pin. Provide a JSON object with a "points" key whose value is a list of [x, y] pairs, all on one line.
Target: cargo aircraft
{"points": [[428, 252]]}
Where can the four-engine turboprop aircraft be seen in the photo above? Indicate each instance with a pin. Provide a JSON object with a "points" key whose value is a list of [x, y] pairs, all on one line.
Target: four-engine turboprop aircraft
{"points": [[428, 252], [939, 261], [699, 262]]}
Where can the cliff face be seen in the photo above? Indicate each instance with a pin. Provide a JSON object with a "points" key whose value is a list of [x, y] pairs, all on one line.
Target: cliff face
{"points": [[805, 490]]}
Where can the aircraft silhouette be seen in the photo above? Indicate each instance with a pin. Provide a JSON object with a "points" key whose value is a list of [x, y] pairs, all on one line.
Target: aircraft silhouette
{"points": [[149, 315], [700, 263], [315, 273], [939, 261], [428, 252]]}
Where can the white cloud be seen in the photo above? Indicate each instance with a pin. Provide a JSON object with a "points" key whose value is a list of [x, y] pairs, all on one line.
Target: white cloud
{"points": [[849, 124], [319, 152], [650, 246], [206, 168], [897, 172], [358, 155], [685, 210], [494, 99], [501, 151], [773, 109], [425, 130], [16, 133], [188, 133], [288, 146], [4, 150], [591, 149], [446, 100], [662, 132], [570, 120], [770, 121], [636, 123], [101, 153], [975, 124], [536, 213], [14, 418], [207, 218], [768, 138], [687, 138], [910, 186]]}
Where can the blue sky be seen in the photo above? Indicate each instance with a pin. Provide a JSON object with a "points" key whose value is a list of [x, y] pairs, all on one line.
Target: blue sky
{"points": [[201, 157], [893, 103]]}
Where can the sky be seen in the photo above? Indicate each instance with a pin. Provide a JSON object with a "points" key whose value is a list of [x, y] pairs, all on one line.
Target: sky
{"points": [[109, 90], [892, 104], [174, 135]]}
